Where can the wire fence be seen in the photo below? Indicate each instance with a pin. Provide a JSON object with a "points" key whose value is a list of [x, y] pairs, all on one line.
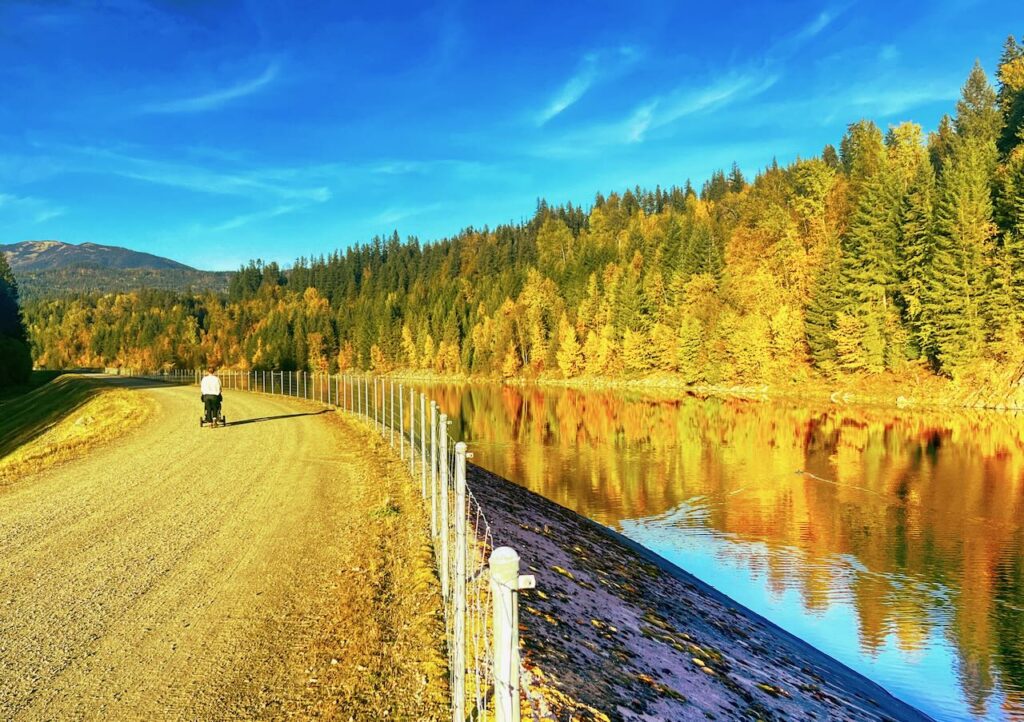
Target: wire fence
{"points": [[479, 584]]}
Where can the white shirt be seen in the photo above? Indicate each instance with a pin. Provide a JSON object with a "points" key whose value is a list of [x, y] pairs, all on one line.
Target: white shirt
{"points": [[210, 385]]}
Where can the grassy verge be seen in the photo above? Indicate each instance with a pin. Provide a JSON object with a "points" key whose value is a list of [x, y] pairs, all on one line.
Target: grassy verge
{"points": [[60, 421], [386, 651]]}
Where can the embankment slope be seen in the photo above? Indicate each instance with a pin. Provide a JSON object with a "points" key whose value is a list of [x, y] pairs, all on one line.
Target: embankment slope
{"points": [[625, 635]]}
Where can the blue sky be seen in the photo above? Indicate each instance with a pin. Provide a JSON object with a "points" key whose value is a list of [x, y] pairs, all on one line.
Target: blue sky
{"points": [[214, 131]]}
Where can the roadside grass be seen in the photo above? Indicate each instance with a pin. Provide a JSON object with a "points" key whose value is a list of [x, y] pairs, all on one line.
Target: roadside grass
{"points": [[61, 420], [385, 655]]}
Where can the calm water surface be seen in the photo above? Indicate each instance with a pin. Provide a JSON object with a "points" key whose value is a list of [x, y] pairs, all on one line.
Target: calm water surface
{"points": [[892, 540]]}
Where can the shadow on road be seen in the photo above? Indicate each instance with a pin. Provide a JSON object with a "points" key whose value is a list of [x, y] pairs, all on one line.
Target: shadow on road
{"points": [[274, 418]]}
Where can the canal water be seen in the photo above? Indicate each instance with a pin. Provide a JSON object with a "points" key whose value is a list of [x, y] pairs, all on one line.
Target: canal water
{"points": [[893, 540]]}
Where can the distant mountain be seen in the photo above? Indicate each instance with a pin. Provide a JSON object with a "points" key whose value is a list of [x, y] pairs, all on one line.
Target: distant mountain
{"points": [[45, 269], [50, 255]]}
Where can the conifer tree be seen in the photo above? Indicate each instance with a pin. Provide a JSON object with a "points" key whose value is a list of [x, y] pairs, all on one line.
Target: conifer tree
{"points": [[940, 143], [916, 243], [736, 180], [977, 113], [15, 359], [958, 280], [823, 307], [1011, 95]]}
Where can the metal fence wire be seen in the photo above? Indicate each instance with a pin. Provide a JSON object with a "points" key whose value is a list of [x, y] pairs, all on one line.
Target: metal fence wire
{"points": [[479, 584]]}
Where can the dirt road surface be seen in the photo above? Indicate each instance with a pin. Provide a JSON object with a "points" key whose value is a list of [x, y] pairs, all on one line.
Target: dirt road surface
{"points": [[204, 574]]}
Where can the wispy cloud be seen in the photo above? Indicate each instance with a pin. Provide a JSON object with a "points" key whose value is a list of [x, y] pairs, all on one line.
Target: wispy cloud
{"points": [[572, 91], [594, 67], [28, 209], [722, 91], [400, 213], [735, 85], [893, 100], [286, 184], [814, 27], [245, 219], [217, 98]]}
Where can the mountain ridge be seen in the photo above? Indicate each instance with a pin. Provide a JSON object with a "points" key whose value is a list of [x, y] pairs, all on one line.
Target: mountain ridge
{"points": [[49, 255]]}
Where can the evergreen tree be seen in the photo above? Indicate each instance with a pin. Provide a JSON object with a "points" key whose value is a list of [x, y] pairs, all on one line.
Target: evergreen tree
{"points": [[822, 309], [736, 180], [830, 157], [861, 151], [977, 113], [1011, 200], [917, 240], [15, 358], [963, 246], [716, 188], [1011, 95], [940, 143]]}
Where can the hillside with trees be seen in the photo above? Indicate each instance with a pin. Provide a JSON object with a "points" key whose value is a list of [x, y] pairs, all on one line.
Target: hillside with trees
{"points": [[895, 252], [52, 268]]}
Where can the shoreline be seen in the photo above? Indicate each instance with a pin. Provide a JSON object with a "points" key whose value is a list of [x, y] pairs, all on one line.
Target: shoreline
{"points": [[616, 632], [915, 393]]}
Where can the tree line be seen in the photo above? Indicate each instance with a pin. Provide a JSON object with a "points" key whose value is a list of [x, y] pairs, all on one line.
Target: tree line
{"points": [[896, 250]]}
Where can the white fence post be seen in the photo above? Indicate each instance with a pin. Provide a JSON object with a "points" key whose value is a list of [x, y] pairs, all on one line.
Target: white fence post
{"points": [[423, 445], [433, 468], [391, 419], [412, 434], [443, 527], [401, 420], [505, 584], [459, 591]]}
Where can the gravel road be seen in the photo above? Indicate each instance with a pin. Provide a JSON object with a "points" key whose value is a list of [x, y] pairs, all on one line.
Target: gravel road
{"points": [[189, 573]]}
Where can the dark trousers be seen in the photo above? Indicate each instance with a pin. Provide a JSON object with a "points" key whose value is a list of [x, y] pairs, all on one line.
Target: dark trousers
{"points": [[212, 403]]}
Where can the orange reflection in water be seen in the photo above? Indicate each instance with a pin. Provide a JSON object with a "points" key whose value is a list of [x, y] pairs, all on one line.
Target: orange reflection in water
{"points": [[928, 504]]}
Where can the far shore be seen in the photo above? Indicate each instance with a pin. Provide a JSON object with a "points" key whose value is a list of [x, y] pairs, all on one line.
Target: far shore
{"points": [[914, 391]]}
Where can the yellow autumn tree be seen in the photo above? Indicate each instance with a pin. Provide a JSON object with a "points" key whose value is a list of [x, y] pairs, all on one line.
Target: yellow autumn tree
{"points": [[570, 354]]}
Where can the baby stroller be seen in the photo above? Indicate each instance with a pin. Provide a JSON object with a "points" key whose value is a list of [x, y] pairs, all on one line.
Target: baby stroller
{"points": [[212, 415]]}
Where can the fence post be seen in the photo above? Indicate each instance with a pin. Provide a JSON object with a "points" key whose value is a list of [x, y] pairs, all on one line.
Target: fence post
{"points": [[401, 420], [391, 419], [423, 445], [443, 443], [412, 434], [459, 632], [433, 469], [504, 565]]}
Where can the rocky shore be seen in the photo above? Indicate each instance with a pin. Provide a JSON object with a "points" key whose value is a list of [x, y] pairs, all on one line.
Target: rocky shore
{"points": [[615, 632]]}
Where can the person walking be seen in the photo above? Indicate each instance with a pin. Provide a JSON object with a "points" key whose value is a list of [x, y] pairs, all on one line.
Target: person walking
{"points": [[210, 393]]}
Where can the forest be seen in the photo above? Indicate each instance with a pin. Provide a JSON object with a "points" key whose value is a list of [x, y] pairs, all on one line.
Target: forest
{"points": [[895, 251]]}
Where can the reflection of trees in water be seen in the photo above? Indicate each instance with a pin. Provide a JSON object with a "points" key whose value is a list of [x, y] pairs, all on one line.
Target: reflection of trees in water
{"points": [[925, 501]]}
